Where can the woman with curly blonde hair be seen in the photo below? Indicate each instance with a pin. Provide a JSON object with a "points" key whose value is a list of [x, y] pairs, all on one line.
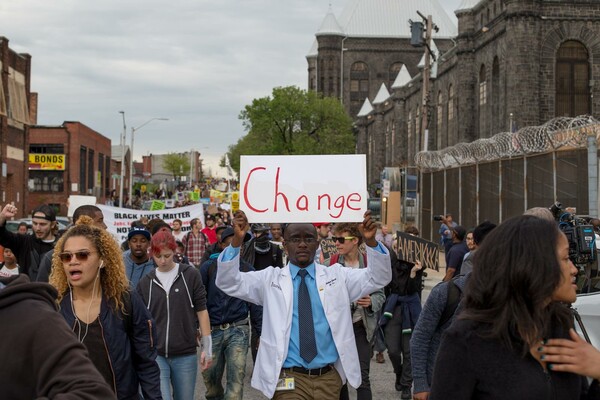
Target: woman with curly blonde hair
{"points": [[111, 321]]}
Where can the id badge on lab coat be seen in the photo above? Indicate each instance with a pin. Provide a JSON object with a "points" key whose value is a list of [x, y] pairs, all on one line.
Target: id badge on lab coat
{"points": [[285, 383]]}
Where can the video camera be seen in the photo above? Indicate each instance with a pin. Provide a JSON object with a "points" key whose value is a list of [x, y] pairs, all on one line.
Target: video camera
{"points": [[579, 233], [438, 218]]}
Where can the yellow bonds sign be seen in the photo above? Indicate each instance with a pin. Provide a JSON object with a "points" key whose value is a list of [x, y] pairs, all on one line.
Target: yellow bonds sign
{"points": [[48, 162]]}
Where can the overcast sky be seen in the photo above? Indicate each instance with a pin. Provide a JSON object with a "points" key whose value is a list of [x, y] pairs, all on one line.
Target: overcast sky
{"points": [[196, 62]]}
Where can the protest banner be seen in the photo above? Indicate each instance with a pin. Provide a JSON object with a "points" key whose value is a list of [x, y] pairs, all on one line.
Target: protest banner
{"points": [[118, 220], [285, 189], [412, 248]]}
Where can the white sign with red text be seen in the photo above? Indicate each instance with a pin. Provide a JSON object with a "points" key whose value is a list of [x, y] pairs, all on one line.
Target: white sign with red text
{"points": [[317, 188]]}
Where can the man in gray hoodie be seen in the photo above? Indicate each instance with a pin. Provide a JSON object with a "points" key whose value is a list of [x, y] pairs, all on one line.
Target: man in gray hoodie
{"points": [[138, 262]]}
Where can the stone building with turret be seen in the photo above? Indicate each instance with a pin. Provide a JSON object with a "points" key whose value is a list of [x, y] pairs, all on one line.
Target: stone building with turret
{"points": [[508, 64]]}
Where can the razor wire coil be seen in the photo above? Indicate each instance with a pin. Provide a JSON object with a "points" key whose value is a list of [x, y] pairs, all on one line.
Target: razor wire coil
{"points": [[561, 132]]}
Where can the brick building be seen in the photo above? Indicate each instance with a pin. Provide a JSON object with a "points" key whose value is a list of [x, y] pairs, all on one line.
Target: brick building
{"points": [[67, 159], [18, 108], [510, 64]]}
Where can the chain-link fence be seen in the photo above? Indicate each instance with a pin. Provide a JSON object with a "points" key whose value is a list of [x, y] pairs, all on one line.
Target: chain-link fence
{"points": [[502, 176]]}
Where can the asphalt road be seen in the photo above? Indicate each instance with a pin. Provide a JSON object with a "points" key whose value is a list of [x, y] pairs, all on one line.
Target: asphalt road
{"points": [[382, 375]]}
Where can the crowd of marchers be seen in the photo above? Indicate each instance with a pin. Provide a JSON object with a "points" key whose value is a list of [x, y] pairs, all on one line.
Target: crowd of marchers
{"points": [[315, 303]]}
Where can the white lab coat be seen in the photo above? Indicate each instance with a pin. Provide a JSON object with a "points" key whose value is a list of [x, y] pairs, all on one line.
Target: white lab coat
{"points": [[272, 288]]}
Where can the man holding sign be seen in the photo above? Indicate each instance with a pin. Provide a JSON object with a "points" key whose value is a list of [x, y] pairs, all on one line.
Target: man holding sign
{"points": [[307, 346]]}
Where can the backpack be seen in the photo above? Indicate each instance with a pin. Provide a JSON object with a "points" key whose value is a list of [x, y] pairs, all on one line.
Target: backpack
{"points": [[453, 298]]}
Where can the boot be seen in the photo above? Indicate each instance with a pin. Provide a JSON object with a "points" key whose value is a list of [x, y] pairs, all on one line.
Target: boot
{"points": [[405, 393], [397, 384]]}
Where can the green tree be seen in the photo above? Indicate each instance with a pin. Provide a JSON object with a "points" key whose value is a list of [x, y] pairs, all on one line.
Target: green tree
{"points": [[177, 164], [293, 121]]}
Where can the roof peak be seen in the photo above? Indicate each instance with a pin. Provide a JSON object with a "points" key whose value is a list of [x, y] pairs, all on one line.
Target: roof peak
{"points": [[382, 95], [330, 25]]}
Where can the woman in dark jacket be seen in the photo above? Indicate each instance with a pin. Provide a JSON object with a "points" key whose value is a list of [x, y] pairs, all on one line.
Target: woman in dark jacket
{"points": [[110, 321], [515, 300], [176, 297]]}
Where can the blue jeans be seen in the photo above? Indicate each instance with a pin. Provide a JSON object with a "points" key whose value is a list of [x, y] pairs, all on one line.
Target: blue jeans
{"points": [[180, 372], [230, 347]]}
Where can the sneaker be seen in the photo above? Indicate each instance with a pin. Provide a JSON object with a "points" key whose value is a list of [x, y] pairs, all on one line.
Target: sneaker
{"points": [[405, 393], [380, 358]]}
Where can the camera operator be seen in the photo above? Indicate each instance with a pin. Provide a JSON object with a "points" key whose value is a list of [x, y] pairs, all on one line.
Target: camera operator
{"points": [[446, 231]]}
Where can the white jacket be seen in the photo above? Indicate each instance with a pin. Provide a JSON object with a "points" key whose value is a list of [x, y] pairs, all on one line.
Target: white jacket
{"points": [[272, 288]]}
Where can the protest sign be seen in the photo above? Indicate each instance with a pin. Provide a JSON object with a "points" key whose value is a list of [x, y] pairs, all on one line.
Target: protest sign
{"points": [[328, 248], [295, 188], [412, 248], [75, 201], [118, 220]]}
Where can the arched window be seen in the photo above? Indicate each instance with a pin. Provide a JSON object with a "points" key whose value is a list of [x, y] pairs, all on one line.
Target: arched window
{"points": [[394, 69], [440, 121], [482, 86], [572, 80], [359, 85], [496, 95]]}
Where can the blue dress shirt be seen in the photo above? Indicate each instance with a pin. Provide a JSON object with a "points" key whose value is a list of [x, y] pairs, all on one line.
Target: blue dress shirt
{"points": [[326, 350]]}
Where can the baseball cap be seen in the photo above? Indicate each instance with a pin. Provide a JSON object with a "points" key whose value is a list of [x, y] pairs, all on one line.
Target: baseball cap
{"points": [[320, 224], [138, 231], [230, 232], [45, 212], [460, 232]]}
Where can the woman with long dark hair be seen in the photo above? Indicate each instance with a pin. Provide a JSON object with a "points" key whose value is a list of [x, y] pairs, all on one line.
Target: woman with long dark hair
{"points": [[516, 299]]}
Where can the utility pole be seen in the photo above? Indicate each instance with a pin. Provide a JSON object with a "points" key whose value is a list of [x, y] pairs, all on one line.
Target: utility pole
{"points": [[123, 138], [421, 33], [424, 134]]}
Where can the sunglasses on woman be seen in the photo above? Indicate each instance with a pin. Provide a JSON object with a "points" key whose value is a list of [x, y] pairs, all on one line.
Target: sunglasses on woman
{"points": [[79, 255], [342, 239]]}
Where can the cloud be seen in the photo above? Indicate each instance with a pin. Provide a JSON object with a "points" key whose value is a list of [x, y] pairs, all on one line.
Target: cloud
{"points": [[196, 62]]}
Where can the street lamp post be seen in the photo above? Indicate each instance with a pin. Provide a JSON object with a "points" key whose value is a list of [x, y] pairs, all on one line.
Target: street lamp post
{"points": [[133, 130], [123, 138]]}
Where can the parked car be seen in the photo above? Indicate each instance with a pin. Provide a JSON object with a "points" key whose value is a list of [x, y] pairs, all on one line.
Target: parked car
{"points": [[13, 225]]}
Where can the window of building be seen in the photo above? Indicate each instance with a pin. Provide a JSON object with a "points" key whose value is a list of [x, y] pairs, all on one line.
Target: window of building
{"points": [[572, 80], [101, 172], [82, 169], [90, 179], [2, 98], [47, 148], [482, 86], [394, 70], [107, 174], [47, 181], [450, 103], [17, 97], [496, 94], [359, 85]]}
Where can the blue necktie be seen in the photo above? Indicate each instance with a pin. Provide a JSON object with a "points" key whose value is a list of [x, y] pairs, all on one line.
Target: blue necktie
{"points": [[306, 327]]}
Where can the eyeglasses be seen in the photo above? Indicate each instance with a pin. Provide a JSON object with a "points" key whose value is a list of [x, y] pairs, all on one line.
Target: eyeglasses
{"points": [[342, 239], [297, 240], [79, 255]]}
